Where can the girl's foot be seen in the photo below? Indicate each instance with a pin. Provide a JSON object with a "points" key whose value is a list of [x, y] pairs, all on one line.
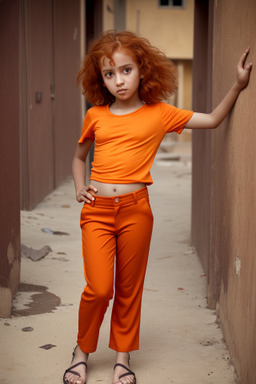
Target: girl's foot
{"points": [[78, 357], [123, 359]]}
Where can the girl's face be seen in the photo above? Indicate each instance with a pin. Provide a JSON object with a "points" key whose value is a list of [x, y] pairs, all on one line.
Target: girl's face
{"points": [[121, 75]]}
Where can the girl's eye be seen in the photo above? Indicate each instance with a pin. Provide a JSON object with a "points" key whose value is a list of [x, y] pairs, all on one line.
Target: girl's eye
{"points": [[127, 70], [108, 74]]}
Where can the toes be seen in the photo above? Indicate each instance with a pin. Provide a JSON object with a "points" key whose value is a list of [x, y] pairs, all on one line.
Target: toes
{"points": [[127, 380], [72, 379]]}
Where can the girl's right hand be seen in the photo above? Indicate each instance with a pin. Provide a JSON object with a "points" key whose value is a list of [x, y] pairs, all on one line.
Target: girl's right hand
{"points": [[86, 194]]}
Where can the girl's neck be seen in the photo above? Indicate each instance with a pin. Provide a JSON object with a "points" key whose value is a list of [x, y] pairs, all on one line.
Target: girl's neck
{"points": [[123, 107]]}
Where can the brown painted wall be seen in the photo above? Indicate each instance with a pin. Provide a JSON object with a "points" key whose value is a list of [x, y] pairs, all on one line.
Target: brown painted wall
{"points": [[231, 164], [234, 189], [9, 155], [50, 125], [201, 141], [39, 147], [67, 109]]}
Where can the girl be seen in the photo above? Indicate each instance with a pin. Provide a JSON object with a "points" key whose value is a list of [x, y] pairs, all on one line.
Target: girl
{"points": [[125, 78]]}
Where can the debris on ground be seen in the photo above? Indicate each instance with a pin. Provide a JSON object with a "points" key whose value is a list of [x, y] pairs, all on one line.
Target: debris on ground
{"points": [[47, 346], [51, 232], [35, 254]]}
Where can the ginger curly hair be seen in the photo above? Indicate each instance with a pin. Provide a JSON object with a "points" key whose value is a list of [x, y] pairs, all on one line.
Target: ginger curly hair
{"points": [[159, 73]]}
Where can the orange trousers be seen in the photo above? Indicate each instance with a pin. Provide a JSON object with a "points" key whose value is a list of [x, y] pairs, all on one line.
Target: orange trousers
{"points": [[116, 234]]}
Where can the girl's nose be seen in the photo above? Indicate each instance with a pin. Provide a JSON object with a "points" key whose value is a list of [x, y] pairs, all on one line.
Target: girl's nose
{"points": [[119, 79]]}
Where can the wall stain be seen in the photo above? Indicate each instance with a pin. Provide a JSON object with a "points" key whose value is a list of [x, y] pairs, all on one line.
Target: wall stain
{"points": [[34, 300]]}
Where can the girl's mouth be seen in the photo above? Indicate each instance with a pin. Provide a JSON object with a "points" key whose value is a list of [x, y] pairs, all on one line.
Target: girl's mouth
{"points": [[121, 91]]}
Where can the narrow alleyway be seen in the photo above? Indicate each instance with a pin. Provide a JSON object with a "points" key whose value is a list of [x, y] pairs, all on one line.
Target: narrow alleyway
{"points": [[181, 342]]}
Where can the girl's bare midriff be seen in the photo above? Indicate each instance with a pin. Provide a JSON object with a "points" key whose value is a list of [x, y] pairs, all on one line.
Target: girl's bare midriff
{"points": [[108, 190]]}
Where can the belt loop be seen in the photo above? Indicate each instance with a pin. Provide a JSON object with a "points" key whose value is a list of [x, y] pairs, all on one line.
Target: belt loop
{"points": [[134, 197], [92, 203]]}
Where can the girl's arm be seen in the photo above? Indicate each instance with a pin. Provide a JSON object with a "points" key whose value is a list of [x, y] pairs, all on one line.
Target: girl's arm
{"points": [[213, 119], [78, 169]]}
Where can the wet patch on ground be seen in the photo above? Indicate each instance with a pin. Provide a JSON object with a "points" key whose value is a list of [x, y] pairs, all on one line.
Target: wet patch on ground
{"points": [[34, 300]]}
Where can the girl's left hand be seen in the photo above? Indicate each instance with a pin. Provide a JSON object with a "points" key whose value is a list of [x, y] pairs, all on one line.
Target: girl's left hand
{"points": [[243, 70]]}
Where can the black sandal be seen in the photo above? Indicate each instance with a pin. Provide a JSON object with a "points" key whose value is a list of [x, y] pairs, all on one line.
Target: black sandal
{"points": [[129, 372], [70, 369]]}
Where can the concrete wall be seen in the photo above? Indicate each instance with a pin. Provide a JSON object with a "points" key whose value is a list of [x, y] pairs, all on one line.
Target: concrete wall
{"points": [[108, 15], [225, 198], [9, 155]]}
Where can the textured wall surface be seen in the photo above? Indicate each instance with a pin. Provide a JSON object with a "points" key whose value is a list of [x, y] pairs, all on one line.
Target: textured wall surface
{"points": [[230, 206]]}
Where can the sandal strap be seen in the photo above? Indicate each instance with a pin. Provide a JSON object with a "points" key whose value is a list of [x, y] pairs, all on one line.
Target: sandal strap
{"points": [[129, 372], [70, 369]]}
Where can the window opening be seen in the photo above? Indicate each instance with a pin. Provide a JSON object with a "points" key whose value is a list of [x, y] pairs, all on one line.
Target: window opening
{"points": [[172, 3]]}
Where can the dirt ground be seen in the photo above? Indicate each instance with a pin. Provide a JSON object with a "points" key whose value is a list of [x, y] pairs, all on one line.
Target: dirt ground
{"points": [[181, 341]]}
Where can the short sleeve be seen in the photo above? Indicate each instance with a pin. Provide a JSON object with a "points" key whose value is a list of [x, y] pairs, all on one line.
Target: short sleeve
{"points": [[87, 131], [174, 119]]}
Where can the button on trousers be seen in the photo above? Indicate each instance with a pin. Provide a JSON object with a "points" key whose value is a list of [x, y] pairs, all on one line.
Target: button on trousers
{"points": [[116, 234]]}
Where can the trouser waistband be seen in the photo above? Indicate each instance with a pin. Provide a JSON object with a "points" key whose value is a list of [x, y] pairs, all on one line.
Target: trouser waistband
{"points": [[119, 200]]}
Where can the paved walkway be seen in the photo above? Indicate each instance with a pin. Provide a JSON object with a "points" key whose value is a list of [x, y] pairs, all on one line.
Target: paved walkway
{"points": [[181, 342]]}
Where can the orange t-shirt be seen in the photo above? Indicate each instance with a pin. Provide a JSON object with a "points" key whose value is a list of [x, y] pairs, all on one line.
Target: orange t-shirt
{"points": [[125, 145]]}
